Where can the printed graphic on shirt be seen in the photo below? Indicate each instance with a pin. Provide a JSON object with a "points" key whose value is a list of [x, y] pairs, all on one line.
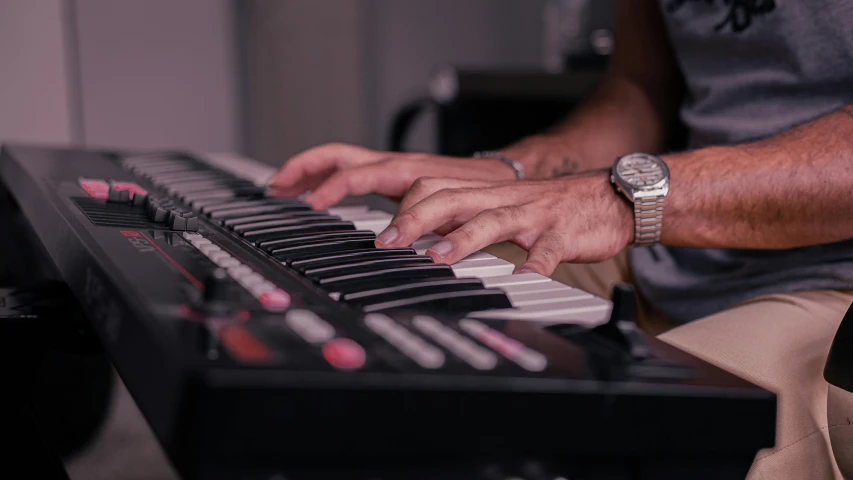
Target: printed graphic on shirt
{"points": [[739, 15]]}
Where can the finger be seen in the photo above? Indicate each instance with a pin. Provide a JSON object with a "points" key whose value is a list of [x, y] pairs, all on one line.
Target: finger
{"points": [[448, 227], [451, 205], [545, 254], [486, 228], [322, 160], [380, 177], [307, 184], [423, 187]]}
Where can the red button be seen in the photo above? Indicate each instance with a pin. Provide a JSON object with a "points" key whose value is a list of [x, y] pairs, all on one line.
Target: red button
{"points": [[275, 299], [344, 354], [244, 346]]}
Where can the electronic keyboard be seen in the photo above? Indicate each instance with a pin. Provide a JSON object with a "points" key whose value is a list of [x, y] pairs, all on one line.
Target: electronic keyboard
{"points": [[259, 336]]}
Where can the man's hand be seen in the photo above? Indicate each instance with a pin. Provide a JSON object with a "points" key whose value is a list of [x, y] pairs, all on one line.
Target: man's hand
{"points": [[334, 171], [576, 219]]}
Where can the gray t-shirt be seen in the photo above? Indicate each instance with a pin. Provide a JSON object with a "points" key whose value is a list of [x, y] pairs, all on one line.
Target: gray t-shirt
{"points": [[753, 68]]}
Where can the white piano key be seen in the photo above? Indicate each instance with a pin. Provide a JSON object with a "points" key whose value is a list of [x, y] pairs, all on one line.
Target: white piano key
{"points": [[367, 215], [515, 279], [566, 309], [376, 226], [554, 296], [474, 257], [534, 287], [477, 256], [240, 166], [486, 268], [426, 241], [343, 211]]}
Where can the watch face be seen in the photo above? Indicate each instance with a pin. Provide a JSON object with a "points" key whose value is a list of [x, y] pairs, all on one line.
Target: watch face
{"points": [[641, 170]]}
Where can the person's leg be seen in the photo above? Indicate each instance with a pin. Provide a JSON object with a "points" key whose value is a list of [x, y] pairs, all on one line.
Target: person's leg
{"points": [[779, 342], [840, 420]]}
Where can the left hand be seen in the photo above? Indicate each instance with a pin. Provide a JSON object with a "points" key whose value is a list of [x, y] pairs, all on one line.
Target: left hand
{"points": [[573, 219]]}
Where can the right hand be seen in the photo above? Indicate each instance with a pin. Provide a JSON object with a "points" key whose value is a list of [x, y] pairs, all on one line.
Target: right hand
{"points": [[333, 171]]}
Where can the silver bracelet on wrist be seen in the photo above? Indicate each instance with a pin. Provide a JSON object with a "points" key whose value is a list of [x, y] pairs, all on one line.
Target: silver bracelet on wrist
{"points": [[517, 167]]}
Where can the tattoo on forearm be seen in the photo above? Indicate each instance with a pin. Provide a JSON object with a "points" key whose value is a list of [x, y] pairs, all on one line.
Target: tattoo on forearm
{"points": [[568, 167]]}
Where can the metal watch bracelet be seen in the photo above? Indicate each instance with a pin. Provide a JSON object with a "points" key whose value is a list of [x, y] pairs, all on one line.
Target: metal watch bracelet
{"points": [[517, 167], [648, 220]]}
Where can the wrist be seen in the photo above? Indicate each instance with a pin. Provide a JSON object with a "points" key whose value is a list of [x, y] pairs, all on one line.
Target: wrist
{"points": [[612, 209], [515, 167], [621, 211], [532, 152]]}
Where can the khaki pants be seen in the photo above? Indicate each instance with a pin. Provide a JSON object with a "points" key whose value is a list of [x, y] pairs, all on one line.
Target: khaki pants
{"points": [[779, 342]]}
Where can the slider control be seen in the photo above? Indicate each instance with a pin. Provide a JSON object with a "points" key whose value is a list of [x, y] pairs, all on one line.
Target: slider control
{"points": [[216, 298]]}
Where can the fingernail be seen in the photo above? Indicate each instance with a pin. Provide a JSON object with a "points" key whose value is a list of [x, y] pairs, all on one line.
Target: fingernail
{"points": [[441, 248], [389, 235], [525, 270]]}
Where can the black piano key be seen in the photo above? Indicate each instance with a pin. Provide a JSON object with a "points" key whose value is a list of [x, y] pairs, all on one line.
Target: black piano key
{"points": [[399, 273], [249, 190], [270, 245], [290, 254], [186, 176], [233, 222], [409, 290], [467, 301], [168, 180], [318, 274], [185, 188], [207, 198], [151, 170], [380, 282], [348, 257], [285, 222], [229, 213], [283, 232], [250, 203]]}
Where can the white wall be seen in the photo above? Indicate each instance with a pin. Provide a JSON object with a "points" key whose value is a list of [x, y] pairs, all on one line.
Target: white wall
{"points": [[119, 73], [320, 70], [158, 73], [34, 90]]}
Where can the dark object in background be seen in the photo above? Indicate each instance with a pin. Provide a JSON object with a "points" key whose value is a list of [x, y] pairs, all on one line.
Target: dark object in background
{"points": [[56, 379], [485, 110], [839, 364]]}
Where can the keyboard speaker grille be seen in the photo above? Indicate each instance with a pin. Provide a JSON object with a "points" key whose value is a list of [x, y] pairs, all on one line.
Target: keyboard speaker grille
{"points": [[105, 214]]}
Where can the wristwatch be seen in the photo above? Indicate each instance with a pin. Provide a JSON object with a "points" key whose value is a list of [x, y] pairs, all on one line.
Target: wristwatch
{"points": [[644, 180]]}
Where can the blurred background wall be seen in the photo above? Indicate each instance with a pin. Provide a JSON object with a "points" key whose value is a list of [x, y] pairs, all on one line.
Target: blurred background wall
{"points": [[328, 70], [263, 77], [138, 74]]}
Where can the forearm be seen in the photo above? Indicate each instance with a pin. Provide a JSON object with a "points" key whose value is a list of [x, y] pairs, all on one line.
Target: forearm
{"points": [[632, 111], [791, 190], [621, 117]]}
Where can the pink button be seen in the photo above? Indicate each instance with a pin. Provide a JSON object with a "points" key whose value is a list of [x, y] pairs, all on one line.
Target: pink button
{"points": [[95, 188], [130, 187], [275, 299], [344, 354]]}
